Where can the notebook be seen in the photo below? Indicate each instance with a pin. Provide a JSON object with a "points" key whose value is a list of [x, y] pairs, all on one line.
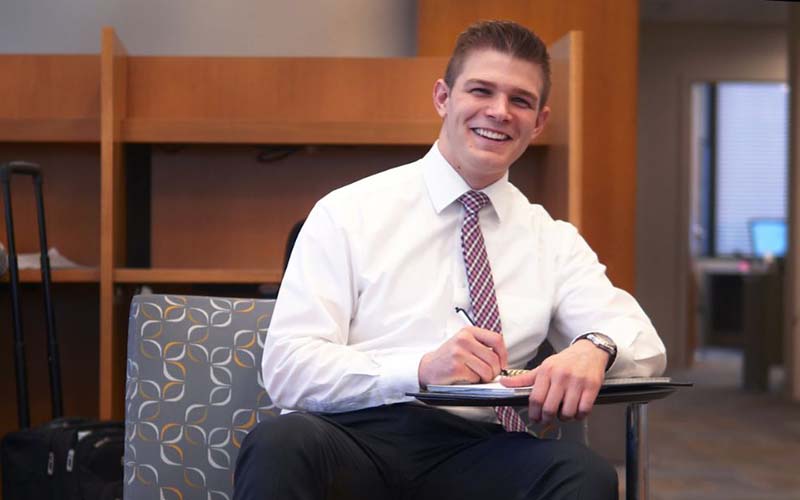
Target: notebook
{"points": [[496, 389]]}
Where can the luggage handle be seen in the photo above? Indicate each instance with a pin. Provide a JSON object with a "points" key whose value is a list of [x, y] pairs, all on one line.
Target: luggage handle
{"points": [[20, 167], [7, 170]]}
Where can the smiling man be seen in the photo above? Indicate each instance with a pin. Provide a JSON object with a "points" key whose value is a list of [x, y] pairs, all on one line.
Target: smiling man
{"points": [[366, 313]]}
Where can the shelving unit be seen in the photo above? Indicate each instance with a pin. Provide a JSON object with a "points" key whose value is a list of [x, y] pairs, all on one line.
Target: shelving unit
{"points": [[77, 275], [208, 276], [207, 209], [50, 114]]}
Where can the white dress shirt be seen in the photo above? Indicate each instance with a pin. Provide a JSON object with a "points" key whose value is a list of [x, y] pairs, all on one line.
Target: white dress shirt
{"points": [[377, 271]]}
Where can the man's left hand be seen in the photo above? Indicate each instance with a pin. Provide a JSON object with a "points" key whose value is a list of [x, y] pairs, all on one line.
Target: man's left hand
{"points": [[569, 380]]}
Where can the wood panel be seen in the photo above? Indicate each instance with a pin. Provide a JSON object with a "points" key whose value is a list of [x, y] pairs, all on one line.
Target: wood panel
{"points": [[559, 167], [609, 102], [236, 131], [192, 276], [282, 100], [112, 216], [50, 86], [50, 129], [55, 98], [283, 89], [76, 275]]}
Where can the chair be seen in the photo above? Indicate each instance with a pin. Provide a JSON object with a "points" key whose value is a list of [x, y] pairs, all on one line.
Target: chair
{"points": [[194, 390]]}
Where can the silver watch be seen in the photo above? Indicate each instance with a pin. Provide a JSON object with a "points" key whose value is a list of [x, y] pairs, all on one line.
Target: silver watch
{"points": [[603, 342]]}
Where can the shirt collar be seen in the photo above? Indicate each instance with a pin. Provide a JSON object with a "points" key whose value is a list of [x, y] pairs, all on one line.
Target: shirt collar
{"points": [[445, 185]]}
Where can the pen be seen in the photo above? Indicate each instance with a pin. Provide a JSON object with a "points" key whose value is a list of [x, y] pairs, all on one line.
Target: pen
{"points": [[468, 319], [465, 316]]}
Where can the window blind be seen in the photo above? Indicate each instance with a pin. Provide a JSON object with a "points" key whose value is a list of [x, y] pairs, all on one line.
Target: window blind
{"points": [[752, 157]]}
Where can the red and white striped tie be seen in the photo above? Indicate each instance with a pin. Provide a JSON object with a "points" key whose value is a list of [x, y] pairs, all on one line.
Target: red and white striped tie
{"points": [[481, 287]]}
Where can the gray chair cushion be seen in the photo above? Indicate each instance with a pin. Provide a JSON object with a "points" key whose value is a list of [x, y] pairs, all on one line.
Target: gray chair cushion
{"points": [[193, 391]]}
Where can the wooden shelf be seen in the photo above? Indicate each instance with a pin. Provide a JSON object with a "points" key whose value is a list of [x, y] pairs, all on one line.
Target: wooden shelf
{"points": [[264, 132], [49, 98], [76, 275], [50, 130], [205, 276]]}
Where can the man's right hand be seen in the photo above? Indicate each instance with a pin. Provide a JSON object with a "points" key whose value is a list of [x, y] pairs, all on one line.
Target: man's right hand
{"points": [[471, 355]]}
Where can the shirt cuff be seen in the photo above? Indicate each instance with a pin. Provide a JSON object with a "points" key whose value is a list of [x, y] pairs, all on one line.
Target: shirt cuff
{"points": [[399, 375], [640, 352]]}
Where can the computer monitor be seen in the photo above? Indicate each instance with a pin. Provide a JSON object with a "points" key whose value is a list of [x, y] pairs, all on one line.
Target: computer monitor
{"points": [[768, 237]]}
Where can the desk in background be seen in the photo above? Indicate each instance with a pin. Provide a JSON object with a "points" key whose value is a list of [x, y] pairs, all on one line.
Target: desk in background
{"points": [[740, 304]]}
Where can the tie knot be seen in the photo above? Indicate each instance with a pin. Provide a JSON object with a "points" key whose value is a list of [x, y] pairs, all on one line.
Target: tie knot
{"points": [[473, 201]]}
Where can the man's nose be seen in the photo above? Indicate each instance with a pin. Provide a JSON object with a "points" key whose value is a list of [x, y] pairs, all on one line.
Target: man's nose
{"points": [[499, 109]]}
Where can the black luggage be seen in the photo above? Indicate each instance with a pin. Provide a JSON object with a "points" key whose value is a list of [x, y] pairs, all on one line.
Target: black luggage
{"points": [[66, 458]]}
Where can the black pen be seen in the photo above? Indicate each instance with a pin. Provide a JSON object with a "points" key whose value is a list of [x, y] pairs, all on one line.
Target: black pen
{"points": [[468, 319]]}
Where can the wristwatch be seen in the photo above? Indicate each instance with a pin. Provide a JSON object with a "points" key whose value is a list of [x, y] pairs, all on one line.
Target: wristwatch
{"points": [[603, 342]]}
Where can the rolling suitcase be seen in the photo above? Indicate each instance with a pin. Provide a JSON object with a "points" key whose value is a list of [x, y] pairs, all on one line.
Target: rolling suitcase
{"points": [[66, 458]]}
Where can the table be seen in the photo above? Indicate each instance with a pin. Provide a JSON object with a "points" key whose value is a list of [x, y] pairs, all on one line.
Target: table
{"points": [[760, 303]]}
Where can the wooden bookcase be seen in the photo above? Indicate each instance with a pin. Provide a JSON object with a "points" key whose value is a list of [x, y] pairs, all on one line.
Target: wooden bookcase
{"points": [[228, 154]]}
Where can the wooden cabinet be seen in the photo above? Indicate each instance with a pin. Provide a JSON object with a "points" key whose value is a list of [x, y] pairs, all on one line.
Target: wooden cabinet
{"points": [[176, 171]]}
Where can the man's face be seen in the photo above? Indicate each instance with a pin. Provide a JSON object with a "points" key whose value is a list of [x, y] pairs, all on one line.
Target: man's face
{"points": [[490, 115]]}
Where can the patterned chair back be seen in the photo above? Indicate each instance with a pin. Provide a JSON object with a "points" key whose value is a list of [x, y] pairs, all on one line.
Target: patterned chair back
{"points": [[193, 391]]}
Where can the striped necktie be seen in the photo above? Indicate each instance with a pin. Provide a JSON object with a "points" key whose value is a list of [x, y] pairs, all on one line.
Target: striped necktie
{"points": [[481, 287]]}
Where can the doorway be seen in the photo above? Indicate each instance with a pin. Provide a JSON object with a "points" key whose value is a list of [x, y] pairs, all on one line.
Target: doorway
{"points": [[738, 164]]}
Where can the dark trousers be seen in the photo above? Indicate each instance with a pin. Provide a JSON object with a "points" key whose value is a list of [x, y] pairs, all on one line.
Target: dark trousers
{"points": [[411, 451]]}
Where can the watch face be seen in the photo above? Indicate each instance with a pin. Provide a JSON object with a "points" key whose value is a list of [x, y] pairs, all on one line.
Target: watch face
{"points": [[603, 341]]}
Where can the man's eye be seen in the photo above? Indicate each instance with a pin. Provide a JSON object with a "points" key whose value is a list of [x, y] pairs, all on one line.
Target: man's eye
{"points": [[479, 91], [519, 101]]}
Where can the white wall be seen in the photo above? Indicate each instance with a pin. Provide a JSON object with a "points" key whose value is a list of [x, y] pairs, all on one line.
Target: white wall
{"points": [[671, 56], [366, 28]]}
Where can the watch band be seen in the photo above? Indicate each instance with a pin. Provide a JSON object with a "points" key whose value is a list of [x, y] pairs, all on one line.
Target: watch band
{"points": [[603, 342]]}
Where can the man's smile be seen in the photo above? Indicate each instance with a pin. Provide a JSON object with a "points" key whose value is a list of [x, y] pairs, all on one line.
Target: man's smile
{"points": [[491, 134]]}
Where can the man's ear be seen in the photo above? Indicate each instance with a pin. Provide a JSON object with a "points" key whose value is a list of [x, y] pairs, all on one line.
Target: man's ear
{"points": [[544, 114], [441, 93]]}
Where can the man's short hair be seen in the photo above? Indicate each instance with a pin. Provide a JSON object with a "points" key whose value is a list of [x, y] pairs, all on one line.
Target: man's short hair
{"points": [[506, 37]]}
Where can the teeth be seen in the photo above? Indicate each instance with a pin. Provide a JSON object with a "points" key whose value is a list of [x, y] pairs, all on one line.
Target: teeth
{"points": [[489, 134]]}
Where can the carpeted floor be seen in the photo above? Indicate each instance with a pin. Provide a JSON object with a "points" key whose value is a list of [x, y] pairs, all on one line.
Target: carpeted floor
{"points": [[715, 441]]}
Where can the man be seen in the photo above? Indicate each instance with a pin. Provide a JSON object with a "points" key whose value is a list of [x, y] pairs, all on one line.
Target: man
{"points": [[366, 313]]}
